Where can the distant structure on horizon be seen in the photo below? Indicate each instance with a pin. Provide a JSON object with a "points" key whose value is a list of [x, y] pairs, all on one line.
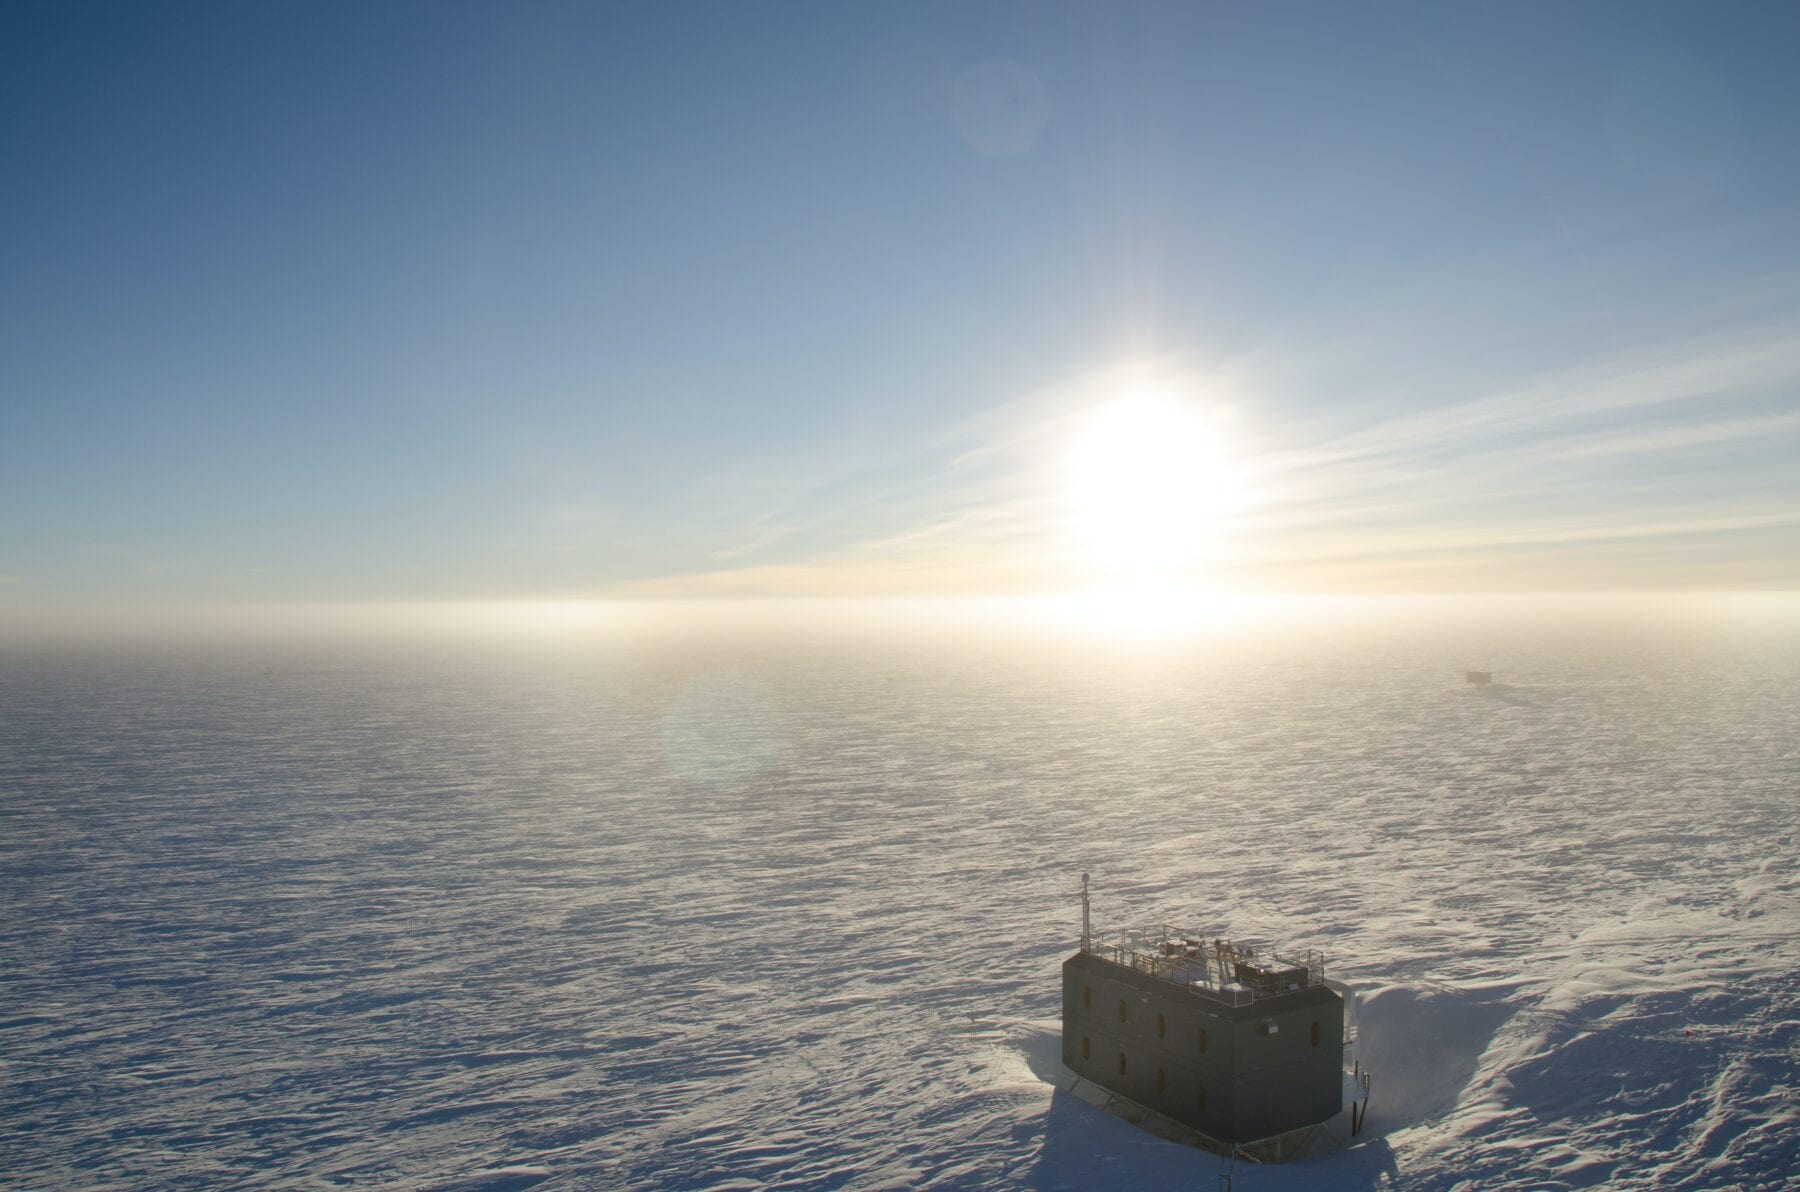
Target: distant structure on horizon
{"points": [[1249, 1054], [1478, 678]]}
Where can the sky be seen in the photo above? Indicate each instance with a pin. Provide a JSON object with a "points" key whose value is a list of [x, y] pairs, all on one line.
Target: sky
{"points": [[529, 301]]}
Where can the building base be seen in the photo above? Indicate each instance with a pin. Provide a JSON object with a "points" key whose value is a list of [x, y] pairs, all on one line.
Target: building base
{"points": [[1278, 1148]]}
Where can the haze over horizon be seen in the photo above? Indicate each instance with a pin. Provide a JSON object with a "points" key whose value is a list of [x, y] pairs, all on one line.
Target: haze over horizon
{"points": [[545, 302]]}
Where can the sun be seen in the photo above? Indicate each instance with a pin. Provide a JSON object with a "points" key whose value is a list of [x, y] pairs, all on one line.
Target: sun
{"points": [[1149, 482]]}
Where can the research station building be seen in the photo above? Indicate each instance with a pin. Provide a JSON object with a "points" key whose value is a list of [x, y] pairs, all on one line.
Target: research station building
{"points": [[1239, 1048]]}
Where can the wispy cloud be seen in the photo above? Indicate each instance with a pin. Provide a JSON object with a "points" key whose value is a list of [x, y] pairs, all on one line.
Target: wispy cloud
{"points": [[1675, 443], [1698, 369], [1759, 429], [1670, 442]]}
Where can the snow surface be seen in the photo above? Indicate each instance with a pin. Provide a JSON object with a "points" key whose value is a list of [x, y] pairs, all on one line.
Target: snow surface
{"points": [[715, 912]]}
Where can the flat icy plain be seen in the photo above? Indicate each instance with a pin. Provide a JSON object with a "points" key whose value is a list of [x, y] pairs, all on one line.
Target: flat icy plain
{"points": [[787, 909]]}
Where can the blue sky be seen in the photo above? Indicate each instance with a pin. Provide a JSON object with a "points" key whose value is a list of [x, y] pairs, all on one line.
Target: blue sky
{"points": [[540, 300]]}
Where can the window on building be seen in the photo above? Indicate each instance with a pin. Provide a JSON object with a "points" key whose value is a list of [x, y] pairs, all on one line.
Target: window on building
{"points": [[1087, 997], [1159, 1080], [1315, 1034], [1161, 1026], [1200, 1097], [1087, 1050], [1121, 1063], [1202, 1040], [1123, 1011]]}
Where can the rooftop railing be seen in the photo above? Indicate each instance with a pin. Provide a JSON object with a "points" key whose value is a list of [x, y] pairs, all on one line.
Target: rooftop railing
{"points": [[1218, 968]]}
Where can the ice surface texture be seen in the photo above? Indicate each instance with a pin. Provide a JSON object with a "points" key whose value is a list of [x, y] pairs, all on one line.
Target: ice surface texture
{"points": [[789, 913]]}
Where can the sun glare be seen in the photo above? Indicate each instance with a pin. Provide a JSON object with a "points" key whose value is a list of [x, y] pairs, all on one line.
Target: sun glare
{"points": [[1149, 482]]}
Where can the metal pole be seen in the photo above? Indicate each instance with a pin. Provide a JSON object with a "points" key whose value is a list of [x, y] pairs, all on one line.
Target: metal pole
{"points": [[1087, 937]]}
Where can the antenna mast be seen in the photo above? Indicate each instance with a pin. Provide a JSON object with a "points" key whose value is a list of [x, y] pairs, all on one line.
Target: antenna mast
{"points": [[1086, 933]]}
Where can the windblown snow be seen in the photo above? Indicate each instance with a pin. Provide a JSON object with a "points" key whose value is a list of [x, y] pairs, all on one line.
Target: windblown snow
{"points": [[788, 911]]}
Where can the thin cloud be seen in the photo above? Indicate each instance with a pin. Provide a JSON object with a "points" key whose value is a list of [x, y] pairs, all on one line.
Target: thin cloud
{"points": [[1507, 480], [1460, 537], [1697, 369], [1678, 438]]}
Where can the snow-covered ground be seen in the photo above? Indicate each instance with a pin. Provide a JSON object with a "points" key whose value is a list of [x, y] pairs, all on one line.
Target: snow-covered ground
{"points": [[787, 910]]}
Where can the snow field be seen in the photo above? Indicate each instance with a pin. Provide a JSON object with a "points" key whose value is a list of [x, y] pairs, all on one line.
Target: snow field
{"points": [[789, 913]]}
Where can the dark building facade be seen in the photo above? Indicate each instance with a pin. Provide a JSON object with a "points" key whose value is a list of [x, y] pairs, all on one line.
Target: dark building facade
{"points": [[1236, 1048]]}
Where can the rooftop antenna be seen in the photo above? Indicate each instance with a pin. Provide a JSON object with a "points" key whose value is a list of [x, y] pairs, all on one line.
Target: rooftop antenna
{"points": [[1086, 934]]}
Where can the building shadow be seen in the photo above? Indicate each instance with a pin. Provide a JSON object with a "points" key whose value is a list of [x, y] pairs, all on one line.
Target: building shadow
{"points": [[1424, 1047]]}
